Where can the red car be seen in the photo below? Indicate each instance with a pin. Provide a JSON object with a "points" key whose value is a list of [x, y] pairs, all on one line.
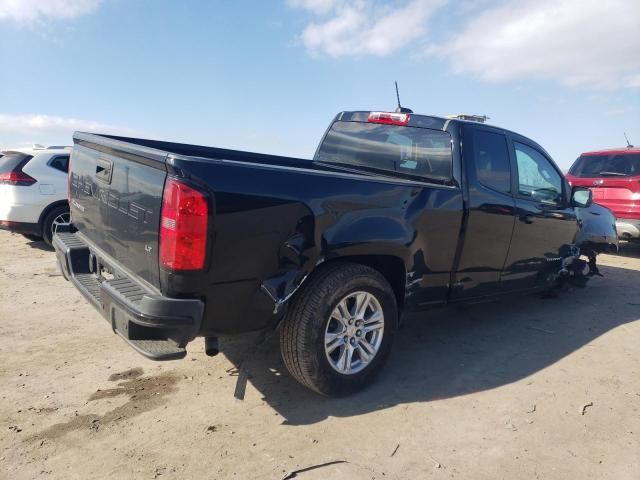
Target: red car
{"points": [[614, 178]]}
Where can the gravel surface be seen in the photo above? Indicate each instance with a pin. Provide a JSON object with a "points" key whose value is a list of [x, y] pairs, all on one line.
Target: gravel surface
{"points": [[525, 388]]}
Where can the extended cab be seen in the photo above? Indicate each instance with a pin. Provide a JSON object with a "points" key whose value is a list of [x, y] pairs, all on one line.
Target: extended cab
{"points": [[396, 212]]}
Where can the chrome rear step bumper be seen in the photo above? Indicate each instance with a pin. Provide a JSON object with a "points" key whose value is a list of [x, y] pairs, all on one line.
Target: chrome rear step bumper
{"points": [[156, 326]]}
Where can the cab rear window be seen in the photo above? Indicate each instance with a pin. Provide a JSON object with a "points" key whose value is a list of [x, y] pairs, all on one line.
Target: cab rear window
{"points": [[410, 152], [612, 165]]}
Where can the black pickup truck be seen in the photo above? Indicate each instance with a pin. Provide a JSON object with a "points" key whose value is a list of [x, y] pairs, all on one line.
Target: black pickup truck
{"points": [[396, 212]]}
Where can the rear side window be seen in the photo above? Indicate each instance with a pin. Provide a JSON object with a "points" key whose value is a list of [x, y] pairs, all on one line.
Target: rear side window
{"points": [[60, 163], [613, 165], [406, 151], [491, 157], [13, 161]]}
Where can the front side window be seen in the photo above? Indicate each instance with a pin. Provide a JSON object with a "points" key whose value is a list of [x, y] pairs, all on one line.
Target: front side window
{"points": [[406, 151], [537, 178], [491, 157]]}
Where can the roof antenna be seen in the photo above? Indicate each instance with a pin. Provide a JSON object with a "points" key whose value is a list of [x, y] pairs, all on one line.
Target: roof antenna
{"points": [[400, 108], [628, 143]]}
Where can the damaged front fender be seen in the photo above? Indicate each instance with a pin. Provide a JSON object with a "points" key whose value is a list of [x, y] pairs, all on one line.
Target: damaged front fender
{"points": [[596, 234], [596, 230]]}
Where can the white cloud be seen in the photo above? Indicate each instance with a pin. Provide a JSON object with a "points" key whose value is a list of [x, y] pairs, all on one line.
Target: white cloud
{"points": [[16, 130], [587, 43], [317, 6], [358, 27], [27, 11]]}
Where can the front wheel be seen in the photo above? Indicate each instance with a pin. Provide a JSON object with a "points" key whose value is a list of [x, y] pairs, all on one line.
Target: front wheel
{"points": [[339, 329]]}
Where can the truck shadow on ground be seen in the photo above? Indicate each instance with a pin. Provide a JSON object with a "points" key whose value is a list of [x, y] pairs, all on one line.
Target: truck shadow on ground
{"points": [[40, 245], [457, 351]]}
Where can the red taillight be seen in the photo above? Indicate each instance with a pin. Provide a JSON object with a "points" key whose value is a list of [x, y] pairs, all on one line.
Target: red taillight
{"points": [[183, 227], [389, 118], [17, 177]]}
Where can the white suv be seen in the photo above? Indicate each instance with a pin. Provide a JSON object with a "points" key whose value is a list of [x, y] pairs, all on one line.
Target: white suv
{"points": [[33, 190]]}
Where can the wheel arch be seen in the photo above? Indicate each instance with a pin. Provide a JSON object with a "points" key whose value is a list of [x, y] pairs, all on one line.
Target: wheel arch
{"points": [[390, 267], [48, 208]]}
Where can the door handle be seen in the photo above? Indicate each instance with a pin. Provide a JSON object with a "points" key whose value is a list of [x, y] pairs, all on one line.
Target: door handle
{"points": [[104, 169]]}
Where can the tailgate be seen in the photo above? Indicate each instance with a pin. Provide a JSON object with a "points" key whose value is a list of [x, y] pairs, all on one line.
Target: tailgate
{"points": [[115, 199]]}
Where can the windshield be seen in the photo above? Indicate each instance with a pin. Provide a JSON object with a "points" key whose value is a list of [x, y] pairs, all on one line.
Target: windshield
{"points": [[616, 164], [405, 151]]}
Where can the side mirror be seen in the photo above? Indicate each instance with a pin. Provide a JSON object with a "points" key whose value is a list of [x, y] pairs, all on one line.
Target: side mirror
{"points": [[581, 197]]}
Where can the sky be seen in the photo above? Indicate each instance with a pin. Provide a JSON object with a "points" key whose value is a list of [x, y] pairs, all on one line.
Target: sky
{"points": [[269, 75]]}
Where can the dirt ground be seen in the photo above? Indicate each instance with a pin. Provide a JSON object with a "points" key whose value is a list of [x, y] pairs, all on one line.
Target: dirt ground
{"points": [[530, 388]]}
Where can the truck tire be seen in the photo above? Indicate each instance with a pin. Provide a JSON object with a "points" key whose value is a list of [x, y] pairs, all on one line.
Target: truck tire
{"points": [[57, 215], [339, 328]]}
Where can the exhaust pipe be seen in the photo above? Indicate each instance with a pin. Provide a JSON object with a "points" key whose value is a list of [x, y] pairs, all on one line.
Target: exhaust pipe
{"points": [[211, 347]]}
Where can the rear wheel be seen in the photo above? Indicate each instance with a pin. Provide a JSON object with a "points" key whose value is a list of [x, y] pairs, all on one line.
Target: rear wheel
{"points": [[339, 329], [57, 217]]}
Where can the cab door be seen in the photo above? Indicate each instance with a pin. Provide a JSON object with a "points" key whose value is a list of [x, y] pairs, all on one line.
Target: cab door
{"points": [[545, 223], [490, 218]]}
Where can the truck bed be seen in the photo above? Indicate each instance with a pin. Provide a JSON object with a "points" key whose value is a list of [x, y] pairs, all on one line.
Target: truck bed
{"points": [[213, 153], [272, 220]]}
